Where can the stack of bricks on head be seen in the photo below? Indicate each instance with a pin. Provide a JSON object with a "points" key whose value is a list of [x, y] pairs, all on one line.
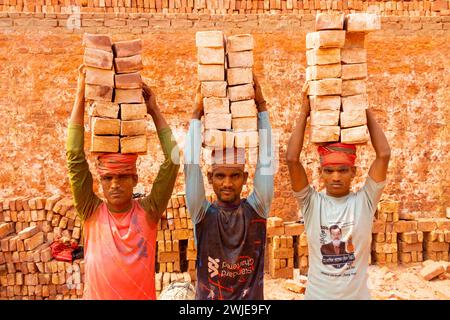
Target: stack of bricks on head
{"points": [[337, 71], [114, 94], [225, 71]]}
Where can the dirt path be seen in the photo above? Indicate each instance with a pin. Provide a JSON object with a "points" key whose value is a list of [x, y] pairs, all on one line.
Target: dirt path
{"points": [[398, 282]]}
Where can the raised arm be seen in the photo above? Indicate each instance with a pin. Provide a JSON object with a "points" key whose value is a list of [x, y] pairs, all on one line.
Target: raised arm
{"points": [[80, 178], [261, 197], [195, 188], [299, 179], [379, 167], [156, 202]]}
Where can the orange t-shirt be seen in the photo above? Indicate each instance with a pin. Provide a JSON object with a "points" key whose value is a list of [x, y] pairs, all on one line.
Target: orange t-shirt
{"points": [[119, 255]]}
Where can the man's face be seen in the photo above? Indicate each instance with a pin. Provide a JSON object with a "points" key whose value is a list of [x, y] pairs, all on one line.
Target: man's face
{"points": [[118, 189], [227, 183], [335, 234], [337, 179]]}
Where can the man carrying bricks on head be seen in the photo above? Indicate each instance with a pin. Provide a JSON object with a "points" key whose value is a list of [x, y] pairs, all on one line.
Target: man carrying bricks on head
{"points": [[231, 232], [338, 216], [119, 233]]}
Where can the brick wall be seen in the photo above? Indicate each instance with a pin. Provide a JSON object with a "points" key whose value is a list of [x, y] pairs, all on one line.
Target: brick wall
{"points": [[397, 7], [407, 88]]}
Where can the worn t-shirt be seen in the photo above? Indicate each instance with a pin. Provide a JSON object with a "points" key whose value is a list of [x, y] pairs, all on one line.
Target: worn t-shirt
{"points": [[339, 233]]}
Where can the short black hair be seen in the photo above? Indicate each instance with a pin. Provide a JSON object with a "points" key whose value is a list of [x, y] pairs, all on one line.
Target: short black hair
{"points": [[335, 226]]}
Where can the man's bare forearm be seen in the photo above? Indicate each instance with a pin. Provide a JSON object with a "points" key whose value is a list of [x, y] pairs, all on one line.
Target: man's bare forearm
{"points": [[295, 143], [377, 137]]}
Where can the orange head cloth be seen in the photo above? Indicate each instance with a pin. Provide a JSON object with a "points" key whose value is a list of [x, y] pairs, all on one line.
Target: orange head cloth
{"points": [[116, 163], [230, 158], [337, 154]]}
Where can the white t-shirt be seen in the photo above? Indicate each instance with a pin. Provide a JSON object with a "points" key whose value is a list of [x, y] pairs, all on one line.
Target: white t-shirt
{"points": [[338, 269]]}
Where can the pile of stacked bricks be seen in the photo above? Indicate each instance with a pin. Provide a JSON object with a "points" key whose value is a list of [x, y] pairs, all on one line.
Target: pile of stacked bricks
{"points": [[176, 249], [225, 71], [114, 94], [27, 228], [286, 248], [337, 73], [394, 7]]}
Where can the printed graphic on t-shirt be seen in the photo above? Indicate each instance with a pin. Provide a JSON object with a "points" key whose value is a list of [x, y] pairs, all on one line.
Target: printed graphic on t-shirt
{"points": [[335, 251], [223, 275]]}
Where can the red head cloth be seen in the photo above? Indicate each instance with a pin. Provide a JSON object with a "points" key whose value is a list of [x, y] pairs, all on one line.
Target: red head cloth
{"points": [[230, 157], [337, 154], [116, 163]]}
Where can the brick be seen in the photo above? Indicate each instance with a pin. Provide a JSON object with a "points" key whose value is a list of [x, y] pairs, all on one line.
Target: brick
{"points": [[128, 81], [104, 110], [426, 225], [133, 144], [325, 39], [294, 229], [242, 92], [209, 39], [323, 71], [354, 40], [275, 222], [362, 22], [242, 59], [378, 226], [128, 96], [214, 89], [249, 139], [6, 229], [212, 72], [133, 111], [133, 127], [104, 144], [354, 71], [34, 241], [275, 231], [211, 56], [282, 253], [410, 247], [99, 77], [356, 102], [386, 247], [241, 42], [355, 135], [28, 232], [236, 76], [104, 126], [324, 133], [216, 105], [323, 56], [437, 246], [325, 87], [128, 64], [409, 237], [353, 55], [217, 121], [127, 48], [245, 124], [326, 21], [353, 87], [325, 118], [219, 139], [242, 109], [98, 59], [353, 118], [101, 93], [443, 223], [432, 270], [97, 41], [52, 201], [405, 226], [180, 234], [325, 102]]}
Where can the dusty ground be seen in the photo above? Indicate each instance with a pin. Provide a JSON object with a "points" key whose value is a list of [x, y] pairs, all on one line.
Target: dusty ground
{"points": [[398, 282]]}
